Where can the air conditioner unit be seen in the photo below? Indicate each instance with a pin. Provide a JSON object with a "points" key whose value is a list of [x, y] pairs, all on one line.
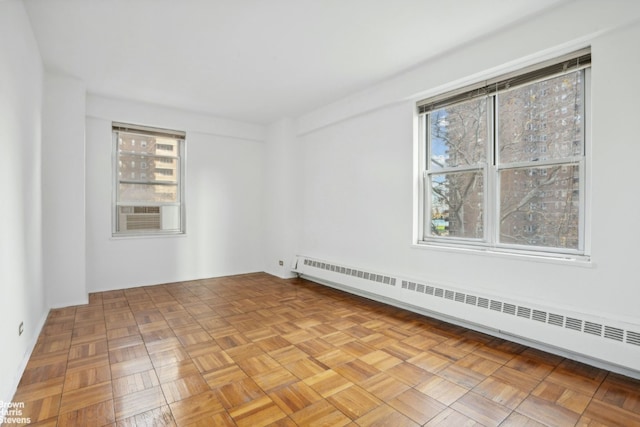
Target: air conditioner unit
{"points": [[133, 218]]}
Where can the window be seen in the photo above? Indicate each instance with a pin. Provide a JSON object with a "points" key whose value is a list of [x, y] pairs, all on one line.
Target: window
{"points": [[503, 163], [149, 181]]}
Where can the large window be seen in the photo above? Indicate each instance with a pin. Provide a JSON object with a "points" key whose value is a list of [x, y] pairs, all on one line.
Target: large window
{"points": [[504, 163], [149, 178]]}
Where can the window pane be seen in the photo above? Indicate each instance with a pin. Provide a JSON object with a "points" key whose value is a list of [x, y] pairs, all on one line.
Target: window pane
{"points": [[135, 167], [457, 201], [540, 206], [129, 142], [458, 134], [542, 121], [133, 193]]}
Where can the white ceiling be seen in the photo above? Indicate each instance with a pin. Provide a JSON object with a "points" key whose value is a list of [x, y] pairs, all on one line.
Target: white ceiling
{"points": [[255, 60]]}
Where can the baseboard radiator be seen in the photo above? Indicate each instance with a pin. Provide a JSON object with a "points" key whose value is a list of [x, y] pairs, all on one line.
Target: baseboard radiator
{"points": [[607, 343]]}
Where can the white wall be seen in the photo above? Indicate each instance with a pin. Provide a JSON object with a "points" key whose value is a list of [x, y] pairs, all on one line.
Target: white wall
{"points": [[21, 289], [63, 191], [224, 173], [281, 188], [358, 160]]}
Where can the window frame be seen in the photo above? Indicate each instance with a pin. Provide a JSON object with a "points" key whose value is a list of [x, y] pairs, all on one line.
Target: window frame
{"points": [[180, 158], [492, 168]]}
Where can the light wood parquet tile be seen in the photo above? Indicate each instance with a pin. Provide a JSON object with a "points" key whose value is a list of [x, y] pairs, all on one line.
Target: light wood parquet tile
{"points": [[134, 383], [258, 412], [385, 415], [417, 406], [160, 417], [255, 350], [139, 402], [320, 413], [547, 412], [294, 397], [481, 409], [620, 391], [354, 401], [451, 418], [384, 386], [601, 413]]}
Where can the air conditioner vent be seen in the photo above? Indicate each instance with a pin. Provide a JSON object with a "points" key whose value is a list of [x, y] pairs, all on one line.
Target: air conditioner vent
{"points": [[142, 221], [483, 302], [449, 294], [439, 292], [496, 305], [429, 290], [471, 299], [460, 297], [420, 289]]}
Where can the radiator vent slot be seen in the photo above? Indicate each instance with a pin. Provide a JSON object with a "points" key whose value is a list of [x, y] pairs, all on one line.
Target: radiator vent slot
{"points": [[509, 309], [523, 312], [633, 338], [593, 328], [556, 319], [575, 324], [612, 333], [540, 316]]}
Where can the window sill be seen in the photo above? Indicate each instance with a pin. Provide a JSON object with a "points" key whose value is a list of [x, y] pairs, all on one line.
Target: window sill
{"points": [[542, 257], [146, 236]]}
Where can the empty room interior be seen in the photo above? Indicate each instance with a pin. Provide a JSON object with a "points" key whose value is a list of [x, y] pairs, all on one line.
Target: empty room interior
{"points": [[287, 212]]}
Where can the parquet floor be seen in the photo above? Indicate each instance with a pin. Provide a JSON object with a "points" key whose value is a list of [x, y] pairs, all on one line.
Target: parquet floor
{"points": [[255, 350]]}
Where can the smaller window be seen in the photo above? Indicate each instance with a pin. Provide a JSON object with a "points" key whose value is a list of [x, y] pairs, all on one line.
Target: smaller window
{"points": [[148, 199]]}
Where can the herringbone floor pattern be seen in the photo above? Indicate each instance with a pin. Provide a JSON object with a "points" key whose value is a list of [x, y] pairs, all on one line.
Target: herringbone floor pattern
{"points": [[254, 350]]}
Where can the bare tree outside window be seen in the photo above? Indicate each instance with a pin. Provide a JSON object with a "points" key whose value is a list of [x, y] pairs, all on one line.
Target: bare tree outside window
{"points": [[458, 148]]}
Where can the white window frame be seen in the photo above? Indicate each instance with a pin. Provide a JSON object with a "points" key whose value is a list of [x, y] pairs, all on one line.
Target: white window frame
{"points": [[180, 157], [491, 176]]}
